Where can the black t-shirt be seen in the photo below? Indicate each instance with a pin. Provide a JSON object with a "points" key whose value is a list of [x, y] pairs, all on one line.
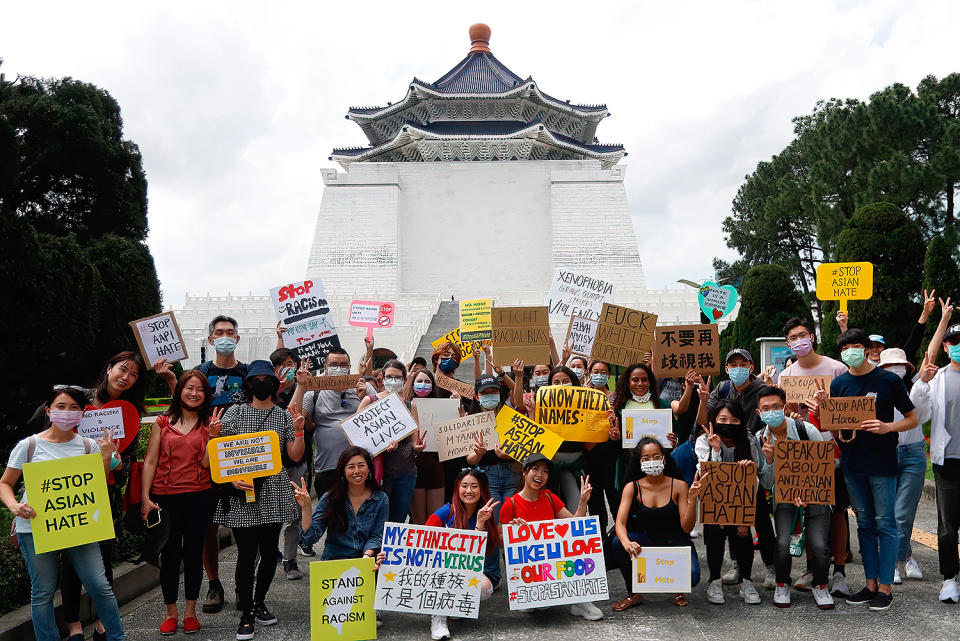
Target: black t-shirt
{"points": [[226, 384]]}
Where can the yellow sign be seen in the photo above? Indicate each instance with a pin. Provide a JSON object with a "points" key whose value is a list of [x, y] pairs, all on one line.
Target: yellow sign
{"points": [[70, 498], [476, 320], [844, 281], [341, 600], [244, 458], [520, 437], [466, 349], [575, 413]]}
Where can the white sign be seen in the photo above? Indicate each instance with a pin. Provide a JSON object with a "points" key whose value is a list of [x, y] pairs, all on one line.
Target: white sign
{"points": [[580, 335], [456, 438], [303, 309], [574, 294], [94, 422], [635, 424], [431, 411], [159, 337], [376, 425], [664, 569]]}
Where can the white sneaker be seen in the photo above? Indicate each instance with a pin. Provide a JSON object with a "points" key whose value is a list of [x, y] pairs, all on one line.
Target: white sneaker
{"points": [[770, 580], [912, 569], [804, 582], [588, 611], [749, 593], [694, 534], [781, 595], [838, 587], [822, 596], [896, 575], [950, 592], [715, 592], [438, 628], [731, 576]]}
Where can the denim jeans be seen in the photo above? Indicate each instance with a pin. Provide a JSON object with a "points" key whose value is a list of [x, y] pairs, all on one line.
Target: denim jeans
{"points": [[816, 525], [619, 557], [873, 499], [912, 466], [503, 481], [399, 489], [44, 571]]}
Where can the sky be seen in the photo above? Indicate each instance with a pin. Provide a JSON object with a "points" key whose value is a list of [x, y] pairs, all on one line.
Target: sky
{"points": [[236, 107]]}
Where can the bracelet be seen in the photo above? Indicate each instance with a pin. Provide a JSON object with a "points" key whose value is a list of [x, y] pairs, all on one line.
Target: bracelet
{"points": [[298, 435]]}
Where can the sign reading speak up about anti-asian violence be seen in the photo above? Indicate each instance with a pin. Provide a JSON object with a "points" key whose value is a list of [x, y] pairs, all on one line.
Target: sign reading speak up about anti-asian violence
{"points": [[846, 412], [376, 425], [159, 337], [573, 294], [581, 332], [575, 413], [681, 348], [800, 388], [521, 332], [554, 563], [341, 600], [303, 309], [456, 438], [623, 335], [804, 469], [520, 437], [244, 458], [431, 570], [729, 495]]}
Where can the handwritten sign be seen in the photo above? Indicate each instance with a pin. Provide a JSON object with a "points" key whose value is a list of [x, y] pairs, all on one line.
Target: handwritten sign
{"points": [[476, 323], [804, 469], [71, 501], [844, 281], [464, 390], [244, 458], [847, 412], [94, 422], [554, 563], [520, 437], [455, 438], [431, 570], [716, 301], [341, 600], [661, 569], [431, 412], [800, 388], [303, 309], [466, 349], [623, 335], [729, 495], [573, 294], [336, 383], [581, 332], [680, 348], [371, 314], [575, 413], [637, 424], [373, 427], [159, 337], [521, 332]]}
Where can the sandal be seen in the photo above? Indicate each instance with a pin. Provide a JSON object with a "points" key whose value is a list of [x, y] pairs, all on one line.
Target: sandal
{"points": [[680, 600], [629, 602]]}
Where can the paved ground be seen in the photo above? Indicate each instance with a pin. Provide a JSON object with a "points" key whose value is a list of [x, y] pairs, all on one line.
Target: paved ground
{"points": [[916, 613]]}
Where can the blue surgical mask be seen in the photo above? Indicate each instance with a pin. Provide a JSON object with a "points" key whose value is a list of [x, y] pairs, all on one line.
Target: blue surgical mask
{"points": [[773, 418], [224, 344], [540, 381], [853, 357], [953, 351], [738, 375], [489, 401], [447, 365], [599, 380]]}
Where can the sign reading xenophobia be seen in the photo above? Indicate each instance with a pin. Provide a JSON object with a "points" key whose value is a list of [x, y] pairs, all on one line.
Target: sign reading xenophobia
{"points": [[302, 308], [573, 294]]}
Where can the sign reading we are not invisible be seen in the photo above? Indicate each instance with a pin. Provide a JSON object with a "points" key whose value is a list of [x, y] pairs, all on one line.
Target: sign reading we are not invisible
{"points": [[623, 335], [244, 458], [376, 425]]}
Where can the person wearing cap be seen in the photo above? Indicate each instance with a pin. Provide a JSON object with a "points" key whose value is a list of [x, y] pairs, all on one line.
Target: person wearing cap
{"points": [[937, 397], [256, 525], [877, 345]]}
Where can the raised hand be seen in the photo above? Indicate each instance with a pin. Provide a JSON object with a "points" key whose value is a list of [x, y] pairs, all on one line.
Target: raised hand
{"points": [[392, 447], [484, 513], [518, 369], [419, 442], [281, 373], [767, 448], [107, 444], [361, 388], [303, 373], [672, 438], [585, 489], [302, 494], [281, 329], [946, 308], [214, 426], [929, 302], [647, 358], [479, 448], [842, 321], [164, 370], [298, 419], [565, 353], [713, 439], [697, 486], [529, 403], [928, 370], [768, 373], [703, 389]]}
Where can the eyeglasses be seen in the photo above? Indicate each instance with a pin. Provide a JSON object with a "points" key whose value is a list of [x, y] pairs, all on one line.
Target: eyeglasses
{"points": [[799, 337], [655, 457], [75, 388]]}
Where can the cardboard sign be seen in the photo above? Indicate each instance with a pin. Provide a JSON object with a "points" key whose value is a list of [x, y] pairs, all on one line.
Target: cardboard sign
{"points": [[729, 496], [847, 412], [681, 348], [466, 349], [159, 337], [455, 438], [716, 301], [70, 498], [370, 314], [623, 335], [94, 422], [804, 469], [244, 458], [336, 383], [373, 427], [431, 412], [573, 294], [520, 437], [464, 390], [431, 570], [575, 413], [581, 332], [521, 332], [844, 281], [800, 388], [341, 600], [637, 424], [554, 563], [476, 323], [303, 309], [661, 569]]}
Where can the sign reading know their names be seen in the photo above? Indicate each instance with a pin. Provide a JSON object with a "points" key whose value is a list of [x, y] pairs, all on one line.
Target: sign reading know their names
{"points": [[376, 425], [580, 335], [159, 337], [800, 388], [623, 335], [729, 496], [244, 458], [475, 320], [804, 469], [640, 423], [337, 383], [520, 437], [846, 412], [572, 294], [455, 438], [575, 413], [431, 412], [681, 348], [341, 600], [464, 390], [431, 570], [554, 563], [303, 309], [521, 332], [661, 569], [94, 422]]}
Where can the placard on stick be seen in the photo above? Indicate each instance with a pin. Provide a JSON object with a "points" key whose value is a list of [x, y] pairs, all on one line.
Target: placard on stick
{"points": [[681, 348], [337, 383], [847, 412], [623, 335], [475, 320], [804, 469], [244, 458], [371, 314], [575, 413], [303, 309], [661, 569], [376, 425], [521, 332], [341, 600], [581, 333], [159, 337], [455, 438], [729, 496], [464, 390], [844, 281], [800, 388], [520, 437]]}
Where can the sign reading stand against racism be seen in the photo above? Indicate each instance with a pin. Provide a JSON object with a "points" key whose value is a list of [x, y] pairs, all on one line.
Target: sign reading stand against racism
{"points": [[303, 309]]}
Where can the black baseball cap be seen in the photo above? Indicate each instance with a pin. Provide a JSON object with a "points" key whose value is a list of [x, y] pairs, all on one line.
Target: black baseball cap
{"points": [[739, 351], [485, 381], [535, 458], [952, 332]]}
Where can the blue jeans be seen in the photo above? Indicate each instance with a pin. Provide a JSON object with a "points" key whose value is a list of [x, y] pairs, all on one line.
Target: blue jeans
{"points": [[503, 481], [619, 557], [912, 464], [399, 489], [44, 571], [873, 499]]}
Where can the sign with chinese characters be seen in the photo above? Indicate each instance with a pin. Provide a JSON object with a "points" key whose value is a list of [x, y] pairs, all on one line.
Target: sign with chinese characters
{"points": [[623, 335], [681, 348], [302, 308]]}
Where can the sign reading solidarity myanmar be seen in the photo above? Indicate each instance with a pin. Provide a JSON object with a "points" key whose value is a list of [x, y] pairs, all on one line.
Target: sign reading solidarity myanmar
{"points": [[159, 337], [844, 281], [376, 425], [729, 495], [341, 600], [804, 469], [662, 569], [521, 332], [244, 458], [476, 323], [554, 563], [431, 570], [572, 294], [466, 349], [371, 314], [623, 336], [681, 348], [455, 438], [303, 309], [71, 501], [520, 437], [847, 412], [575, 413], [580, 335]]}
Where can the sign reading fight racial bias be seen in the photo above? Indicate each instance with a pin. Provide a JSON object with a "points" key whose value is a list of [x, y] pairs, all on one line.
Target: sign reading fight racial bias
{"points": [[244, 458], [804, 469], [575, 413], [681, 348], [800, 388], [521, 332], [846, 412], [554, 563], [431, 570], [432, 411], [580, 335], [464, 390], [844, 281], [661, 569], [623, 335], [159, 337], [341, 600], [572, 294], [70, 498], [466, 349], [302, 308], [455, 438], [729, 496], [520, 437], [336, 383], [373, 427], [475, 320]]}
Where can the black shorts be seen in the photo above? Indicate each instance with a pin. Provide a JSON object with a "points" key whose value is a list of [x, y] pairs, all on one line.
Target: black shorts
{"points": [[429, 471]]}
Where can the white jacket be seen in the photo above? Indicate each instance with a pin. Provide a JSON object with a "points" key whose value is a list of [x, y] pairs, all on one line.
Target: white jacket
{"points": [[930, 399]]}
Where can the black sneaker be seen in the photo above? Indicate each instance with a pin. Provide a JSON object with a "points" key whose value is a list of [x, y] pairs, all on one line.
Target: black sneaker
{"points": [[264, 616], [245, 630], [214, 601], [881, 602], [307, 550], [862, 597]]}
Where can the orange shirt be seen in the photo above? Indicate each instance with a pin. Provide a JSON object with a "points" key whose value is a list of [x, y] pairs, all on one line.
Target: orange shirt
{"points": [[178, 466]]}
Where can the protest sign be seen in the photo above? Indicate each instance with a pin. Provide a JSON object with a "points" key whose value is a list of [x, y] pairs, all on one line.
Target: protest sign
{"points": [[464, 390], [636, 424], [455, 438], [244, 458], [373, 427], [521, 332], [94, 422], [431, 570], [575, 413], [844, 281], [466, 349], [572, 294], [581, 332], [336, 383], [680, 348], [370, 314], [159, 337], [846, 412], [729, 495], [554, 563], [430, 412], [800, 388], [661, 569], [131, 424], [716, 301], [623, 335], [70, 498], [302, 308], [341, 600], [475, 320], [520, 437], [804, 469]]}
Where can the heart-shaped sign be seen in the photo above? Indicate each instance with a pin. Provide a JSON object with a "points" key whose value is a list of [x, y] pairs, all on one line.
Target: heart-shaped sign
{"points": [[717, 301], [131, 422], [561, 528]]}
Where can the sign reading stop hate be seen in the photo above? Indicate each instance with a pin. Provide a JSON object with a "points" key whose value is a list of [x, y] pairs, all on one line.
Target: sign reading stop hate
{"points": [[370, 314]]}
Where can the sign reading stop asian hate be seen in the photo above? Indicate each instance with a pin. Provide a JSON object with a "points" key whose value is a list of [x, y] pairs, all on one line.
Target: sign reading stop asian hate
{"points": [[729, 496], [844, 281], [244, 458], [302, 308], [575, 413], [804, 469], [623, 335], [341, 600], [159, 337], [376, 425], [800, 388], [520, 437]]}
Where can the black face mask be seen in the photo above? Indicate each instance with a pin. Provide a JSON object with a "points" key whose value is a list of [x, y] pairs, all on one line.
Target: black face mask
{"points": [[727, 430], [262, 389]]}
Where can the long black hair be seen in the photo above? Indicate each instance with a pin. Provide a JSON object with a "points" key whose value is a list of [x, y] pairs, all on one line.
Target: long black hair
{"points": [[633, 471], [337, 498], [135, 393], [622, 393], [741, 444], [574, 379], [175, 411]]}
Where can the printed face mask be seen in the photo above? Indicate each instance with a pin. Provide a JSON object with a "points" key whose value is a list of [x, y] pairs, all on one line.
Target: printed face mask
{"points": [[66, 420], [599, 380], [447, 365], [738, 375], [540, 381], [802, 347], [335, 370], [422, 389], [773, 418], [578, 371], [392, 384], [953, 351], [224, 345], [652, 468], [853, 357], [641, 399], [289, 374], [489, 401]]}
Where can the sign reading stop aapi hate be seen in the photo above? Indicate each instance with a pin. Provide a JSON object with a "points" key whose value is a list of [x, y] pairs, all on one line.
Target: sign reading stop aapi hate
{"points": [[575, 413], [341, 600], [159, 337], [804, 469], [847, 412], [303, 309], [729, 495], [376, 425], [520, 437], [623, 335]]}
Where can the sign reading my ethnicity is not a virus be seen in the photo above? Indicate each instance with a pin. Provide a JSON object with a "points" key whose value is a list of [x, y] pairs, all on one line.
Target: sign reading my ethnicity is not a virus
{"points": [[302, 308], [376, 425], [341, 600]]}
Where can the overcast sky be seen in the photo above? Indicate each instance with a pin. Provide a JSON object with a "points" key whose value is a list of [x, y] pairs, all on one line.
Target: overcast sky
{"points": [[236, 106]]}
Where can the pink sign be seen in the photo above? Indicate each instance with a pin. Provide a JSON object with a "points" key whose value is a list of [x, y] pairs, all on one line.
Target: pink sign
{"points": [[370, 314]]}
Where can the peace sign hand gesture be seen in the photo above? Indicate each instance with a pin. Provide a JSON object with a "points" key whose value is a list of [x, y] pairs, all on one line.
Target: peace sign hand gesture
{"points": [[107, 444], [479, 448], [703, 389], [484, 513], [585, 490], [298, 419], [697, 486], [928, 370], [214, 426], [419, 442], [767, 448], [713, 439], [302, 494]]}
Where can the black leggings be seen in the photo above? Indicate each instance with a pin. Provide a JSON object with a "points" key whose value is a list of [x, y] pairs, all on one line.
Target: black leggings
{"points": [[70, 583], [188, 515], [250, 540], [715, 536]]}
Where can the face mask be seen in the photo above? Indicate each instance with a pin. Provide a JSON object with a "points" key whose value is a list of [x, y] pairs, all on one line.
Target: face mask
{"points": [[773, 418], [66, 420], [899, 370], [652, 468], [392, 384], [447, 365], [727, 430], [262, 390], [802, 347], [641, 399], [578, 371], [853, 357], [422, 389], [334, 370], [599, 380], [224, 345], [288, 376], [953, 351], [540, 381], [489, 401], [738, 375]]}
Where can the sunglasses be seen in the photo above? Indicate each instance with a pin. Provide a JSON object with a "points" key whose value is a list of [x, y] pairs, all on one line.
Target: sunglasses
{"points": [[474, 471], [75, 388]]}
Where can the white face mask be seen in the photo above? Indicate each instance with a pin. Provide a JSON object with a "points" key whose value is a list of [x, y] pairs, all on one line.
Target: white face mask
{"points": [[641, 399], [899, 370], [392, 384], [652, 468], [333, 370]]}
